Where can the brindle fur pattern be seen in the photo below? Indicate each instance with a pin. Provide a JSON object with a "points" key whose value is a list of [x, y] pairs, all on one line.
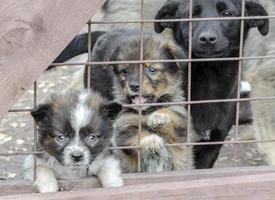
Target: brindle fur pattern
{"points": [[159, 125]]}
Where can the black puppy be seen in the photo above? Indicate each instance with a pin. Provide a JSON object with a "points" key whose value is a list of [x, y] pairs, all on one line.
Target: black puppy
{"points": [[212, 80]]}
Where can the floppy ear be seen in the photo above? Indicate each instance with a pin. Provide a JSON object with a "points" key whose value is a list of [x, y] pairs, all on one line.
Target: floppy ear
{"points": [[175, 52], [167, 11], [110, 110], [41, 112], [256, 9]]}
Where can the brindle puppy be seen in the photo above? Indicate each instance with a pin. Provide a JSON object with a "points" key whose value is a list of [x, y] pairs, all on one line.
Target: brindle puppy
{"points": [[162, 82], [74, 130]]}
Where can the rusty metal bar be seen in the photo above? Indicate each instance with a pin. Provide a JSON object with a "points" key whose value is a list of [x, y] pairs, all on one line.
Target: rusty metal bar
{"points": [[89, 67], [166, 61], [200, 102], [22, 153], [20, 110], [240, 62], [34, 132], [140, 80], [184, 20], [167, 145], [201, 143], [189, 76], [194, 102]]}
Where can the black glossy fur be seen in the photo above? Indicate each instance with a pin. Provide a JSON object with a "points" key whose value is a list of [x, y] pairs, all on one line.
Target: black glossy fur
{"points": [[78, 46], [212, 80]]}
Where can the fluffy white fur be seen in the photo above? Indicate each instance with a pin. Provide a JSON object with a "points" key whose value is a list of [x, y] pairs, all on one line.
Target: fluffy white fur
{"points": [[107, 169]]}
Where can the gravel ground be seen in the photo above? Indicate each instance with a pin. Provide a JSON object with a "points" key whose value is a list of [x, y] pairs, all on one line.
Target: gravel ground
{"points": [[16, 129]]}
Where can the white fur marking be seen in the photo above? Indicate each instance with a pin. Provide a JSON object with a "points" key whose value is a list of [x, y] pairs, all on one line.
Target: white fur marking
{"points": [[245, 86], [81, 115], [109, 173]]}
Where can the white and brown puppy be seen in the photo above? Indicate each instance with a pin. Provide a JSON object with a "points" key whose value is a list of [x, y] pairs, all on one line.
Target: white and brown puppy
{"points": [[162, 82], [74, 130]]}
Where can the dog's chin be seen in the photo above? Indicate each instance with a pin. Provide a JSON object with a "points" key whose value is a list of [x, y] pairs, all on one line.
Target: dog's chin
{"points": [[211, 53], [73, 164]]}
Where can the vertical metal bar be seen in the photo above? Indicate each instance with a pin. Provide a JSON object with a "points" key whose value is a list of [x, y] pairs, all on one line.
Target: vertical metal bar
{"points": [[89, 67], [239, 81], [140, 80], [190, 25], [34, 132]]}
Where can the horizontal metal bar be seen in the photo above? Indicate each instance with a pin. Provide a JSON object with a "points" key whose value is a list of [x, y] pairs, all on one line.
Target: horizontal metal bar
{"points": [[201, 143], [21, 110], [184, 102], [164, 61], [182, 20], [166, 145], [200, 102], [22, 153]]}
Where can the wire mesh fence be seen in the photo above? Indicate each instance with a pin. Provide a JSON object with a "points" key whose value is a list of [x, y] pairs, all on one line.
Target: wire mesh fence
{"points": [[188, 102]]}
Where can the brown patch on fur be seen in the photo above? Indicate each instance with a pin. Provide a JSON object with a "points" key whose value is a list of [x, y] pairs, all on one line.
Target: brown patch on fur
{"points": [[48, 144], [60, 121], [166, 78], [166, 81]]}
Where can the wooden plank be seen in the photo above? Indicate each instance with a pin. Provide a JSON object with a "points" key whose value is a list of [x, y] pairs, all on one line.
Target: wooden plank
{"points": [[32, 34], [222, 188], [23, 187]]}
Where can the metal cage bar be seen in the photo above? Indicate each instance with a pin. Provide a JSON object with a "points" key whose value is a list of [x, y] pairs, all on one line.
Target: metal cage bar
{"points": [[188, 101]]}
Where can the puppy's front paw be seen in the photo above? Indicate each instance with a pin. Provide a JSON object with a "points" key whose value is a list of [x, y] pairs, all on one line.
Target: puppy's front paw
{"points": [[46, 180], [151, 143], [113, 182], [45, 186], [155, 156], [157, 119]]}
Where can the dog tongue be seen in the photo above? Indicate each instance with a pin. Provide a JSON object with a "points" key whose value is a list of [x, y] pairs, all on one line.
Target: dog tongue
{"points": [[138, 100]]}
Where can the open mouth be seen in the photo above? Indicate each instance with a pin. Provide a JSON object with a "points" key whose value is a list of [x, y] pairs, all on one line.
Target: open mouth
{"points": [[136, 99]]}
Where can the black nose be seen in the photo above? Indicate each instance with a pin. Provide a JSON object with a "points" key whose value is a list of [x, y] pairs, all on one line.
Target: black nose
{"points": [[134, 86], [208, 38], [77, 156]]}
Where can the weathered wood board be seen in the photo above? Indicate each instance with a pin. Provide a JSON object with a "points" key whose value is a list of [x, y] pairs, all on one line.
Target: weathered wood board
{"points": [[32, 34], [220, 184]]}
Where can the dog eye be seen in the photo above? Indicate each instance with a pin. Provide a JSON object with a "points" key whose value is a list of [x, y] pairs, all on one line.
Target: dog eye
{"points": [[124, 71], [91, 137], [60, 137], [226, 13], [151, 70]]}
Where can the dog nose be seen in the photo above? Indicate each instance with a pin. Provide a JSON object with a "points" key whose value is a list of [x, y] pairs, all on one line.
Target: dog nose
{"points": [[208, 38], [134, 86], [77, 156]]}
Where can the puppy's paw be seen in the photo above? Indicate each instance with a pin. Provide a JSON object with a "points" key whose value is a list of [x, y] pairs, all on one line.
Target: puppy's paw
{"points": [[109, 172], [46, 180], [46, 186], [113, 182], [157, 119], [155, 156], [151, 144]]}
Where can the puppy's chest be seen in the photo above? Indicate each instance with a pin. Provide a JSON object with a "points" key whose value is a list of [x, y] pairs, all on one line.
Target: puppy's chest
{"points": [[65, 172], [74, 172]]}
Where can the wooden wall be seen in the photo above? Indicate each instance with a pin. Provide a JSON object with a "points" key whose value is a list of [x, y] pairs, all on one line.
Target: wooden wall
{"points": [[32, 34]]}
